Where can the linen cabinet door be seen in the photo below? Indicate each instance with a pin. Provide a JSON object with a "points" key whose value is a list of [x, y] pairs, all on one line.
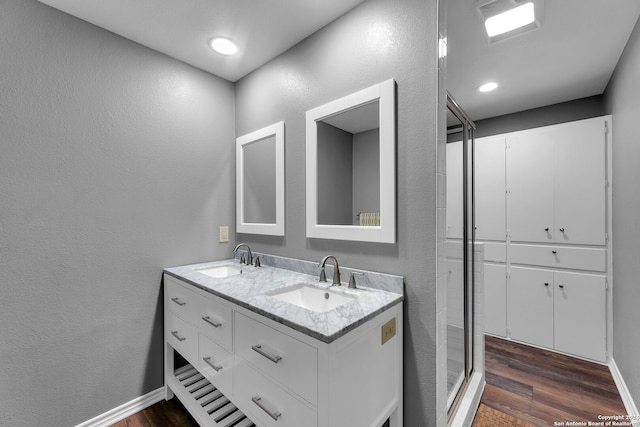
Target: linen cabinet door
{"points": [[495, 299], [579, 196], [531, 306], [490, 200], [580, 315], [454, 190], [530, 183]]}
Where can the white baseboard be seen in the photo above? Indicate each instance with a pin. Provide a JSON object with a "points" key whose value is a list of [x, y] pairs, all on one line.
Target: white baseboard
{"points": [[630, 406], [125, 410], [470, 401]]}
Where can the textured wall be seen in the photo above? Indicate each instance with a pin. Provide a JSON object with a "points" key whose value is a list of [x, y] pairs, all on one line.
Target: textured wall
{"points": [[623, 102], [115, 161], [378, 40]]}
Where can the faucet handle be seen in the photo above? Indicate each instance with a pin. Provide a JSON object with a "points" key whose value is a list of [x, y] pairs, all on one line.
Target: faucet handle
{"points": [[352, 280], [257, 261]]}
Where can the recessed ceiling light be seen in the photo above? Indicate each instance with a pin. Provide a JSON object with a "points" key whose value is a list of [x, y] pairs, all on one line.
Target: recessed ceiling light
{"points": [[510, 20], [488, 87], [223, 46]]}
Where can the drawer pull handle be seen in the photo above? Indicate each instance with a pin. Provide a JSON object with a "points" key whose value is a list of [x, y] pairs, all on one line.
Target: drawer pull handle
{"points": [[177, 301], [207, 360], [258, 349], [211, 322], [175, 334], [257, 400]]}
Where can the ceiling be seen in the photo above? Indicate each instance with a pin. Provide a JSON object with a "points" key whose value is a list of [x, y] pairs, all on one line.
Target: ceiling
{"points": [[571, 56], [263, 29]]}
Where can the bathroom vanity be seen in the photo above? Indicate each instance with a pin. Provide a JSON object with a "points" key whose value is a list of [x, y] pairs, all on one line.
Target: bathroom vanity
{"points": [[274, 347]]}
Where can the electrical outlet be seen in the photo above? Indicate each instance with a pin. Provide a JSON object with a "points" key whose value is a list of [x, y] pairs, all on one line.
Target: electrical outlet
{"points": [[223, 234], [388, 330]]}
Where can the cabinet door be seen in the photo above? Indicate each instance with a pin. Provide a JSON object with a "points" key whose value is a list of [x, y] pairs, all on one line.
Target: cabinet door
{"points": [[531, 306], [495, 300], [490, 188], [454, 190], [580, 320], [530, 183], [579, 189]]}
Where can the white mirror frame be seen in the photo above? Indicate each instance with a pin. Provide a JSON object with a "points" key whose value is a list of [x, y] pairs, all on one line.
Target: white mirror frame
{"points": [[384, 93], [276, 229]]}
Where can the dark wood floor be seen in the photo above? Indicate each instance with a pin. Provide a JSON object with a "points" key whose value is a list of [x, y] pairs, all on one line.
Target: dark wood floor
{"points": [[542, 387], [166, 413]]}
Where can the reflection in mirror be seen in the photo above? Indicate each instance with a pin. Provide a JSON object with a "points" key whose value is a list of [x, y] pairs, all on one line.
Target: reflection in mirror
{"points": [[259, 177], [351, 167], [260, 181]]}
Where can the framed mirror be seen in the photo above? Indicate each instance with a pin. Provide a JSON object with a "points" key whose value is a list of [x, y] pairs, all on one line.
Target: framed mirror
{"points": [[350, 160], [260, 181]]}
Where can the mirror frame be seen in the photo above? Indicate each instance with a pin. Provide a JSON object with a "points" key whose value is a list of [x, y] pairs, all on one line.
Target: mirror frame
{"points": [[385, 94], [277, 229]]}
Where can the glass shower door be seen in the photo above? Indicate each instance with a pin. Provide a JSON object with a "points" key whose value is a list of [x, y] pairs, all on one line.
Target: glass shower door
{"points": [[460, 251]]}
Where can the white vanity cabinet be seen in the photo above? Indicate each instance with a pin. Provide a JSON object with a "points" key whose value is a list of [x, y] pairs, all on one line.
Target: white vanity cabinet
{"points": [[273, 375], [559, 310]]}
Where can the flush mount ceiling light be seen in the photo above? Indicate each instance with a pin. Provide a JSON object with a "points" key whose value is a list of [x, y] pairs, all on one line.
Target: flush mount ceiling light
{"points": [[488, 87], [504, 19], [223, 46]]}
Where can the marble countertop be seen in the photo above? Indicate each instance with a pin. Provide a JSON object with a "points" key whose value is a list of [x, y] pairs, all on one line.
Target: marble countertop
{"points": [[249, 288]]}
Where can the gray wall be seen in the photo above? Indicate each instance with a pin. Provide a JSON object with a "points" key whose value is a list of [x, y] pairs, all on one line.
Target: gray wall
{"points": [[584, 108], [623, 102], [335, 177], [378, 40], [115, 161], [366, 172]]}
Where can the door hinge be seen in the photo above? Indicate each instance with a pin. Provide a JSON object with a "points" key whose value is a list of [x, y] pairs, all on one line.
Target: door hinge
{"points": [[508, 332], [606, 237], [606, 127], [606, 283], [606, 183], [508, 234]]}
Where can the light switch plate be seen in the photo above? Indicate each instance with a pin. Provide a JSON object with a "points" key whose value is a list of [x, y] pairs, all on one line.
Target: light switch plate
{"points": [[223, 234]]}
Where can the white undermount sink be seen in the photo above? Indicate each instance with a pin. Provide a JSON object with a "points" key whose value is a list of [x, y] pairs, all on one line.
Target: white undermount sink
{"points": [[311, 297], [223, 271]]}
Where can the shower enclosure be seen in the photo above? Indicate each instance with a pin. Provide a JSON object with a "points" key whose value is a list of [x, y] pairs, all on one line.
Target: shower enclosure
{"points": [[460, 251]]}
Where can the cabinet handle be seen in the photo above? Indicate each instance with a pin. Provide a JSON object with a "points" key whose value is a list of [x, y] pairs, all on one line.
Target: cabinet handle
{"points": [[207, 360], [177, 301], [257, 400], [554, 252], [175, 334], [546, 284], [561, 286], [546, 229], [211, 322], [258, 349], [562, 230]]}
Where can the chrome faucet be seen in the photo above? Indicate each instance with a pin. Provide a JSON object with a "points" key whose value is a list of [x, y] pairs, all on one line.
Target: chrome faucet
{"points": [[336, 270], [249, 259]]}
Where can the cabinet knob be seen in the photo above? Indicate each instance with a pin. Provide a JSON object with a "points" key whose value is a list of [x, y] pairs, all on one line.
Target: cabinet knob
{"points": [[554, 252], [561, 286], [546, 229], [562, 230], [546, 284]]}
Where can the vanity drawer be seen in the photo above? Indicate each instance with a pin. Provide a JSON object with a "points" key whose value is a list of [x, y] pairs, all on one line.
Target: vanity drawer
{"points": [[181, 336], [215, 320], [283, 358], [262, 400], [216, 363], [593, 259], [182, 301]]}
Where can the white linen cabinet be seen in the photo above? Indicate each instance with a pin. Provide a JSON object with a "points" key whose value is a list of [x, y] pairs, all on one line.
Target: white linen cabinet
{"points": [[543, 212]]}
